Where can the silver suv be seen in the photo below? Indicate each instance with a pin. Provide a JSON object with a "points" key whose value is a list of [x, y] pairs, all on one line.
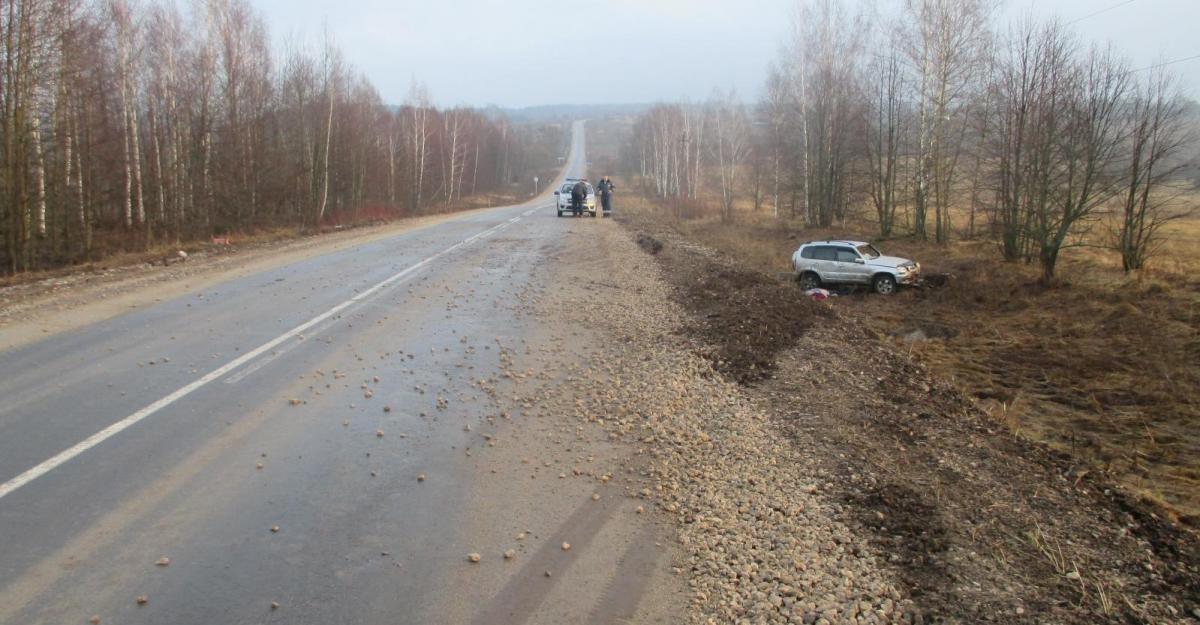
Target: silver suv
{"points": [[851, 262]]}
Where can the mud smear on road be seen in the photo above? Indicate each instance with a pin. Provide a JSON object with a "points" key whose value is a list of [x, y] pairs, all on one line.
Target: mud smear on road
{"points": [[973, 523]]}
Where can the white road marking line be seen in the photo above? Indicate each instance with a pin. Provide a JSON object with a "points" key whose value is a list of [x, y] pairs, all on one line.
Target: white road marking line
{"points": [[66, 455], [262, 362]]}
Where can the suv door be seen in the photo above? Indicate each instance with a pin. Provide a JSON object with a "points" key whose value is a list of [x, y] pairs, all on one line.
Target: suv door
{"points": [[823, 257], [851, 266]]}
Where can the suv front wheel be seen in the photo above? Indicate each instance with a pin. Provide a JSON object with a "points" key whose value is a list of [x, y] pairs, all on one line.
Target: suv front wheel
{"points": [[809, 280], [884, 284]]}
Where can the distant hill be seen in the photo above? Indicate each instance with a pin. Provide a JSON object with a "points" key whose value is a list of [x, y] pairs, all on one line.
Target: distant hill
{"points": [[566, 112], [556, 112]]}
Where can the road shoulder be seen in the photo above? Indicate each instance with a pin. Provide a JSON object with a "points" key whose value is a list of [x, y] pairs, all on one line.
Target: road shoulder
{"points": [[32, 311]]}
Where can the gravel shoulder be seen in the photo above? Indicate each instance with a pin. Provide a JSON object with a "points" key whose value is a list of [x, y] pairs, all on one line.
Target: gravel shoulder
{"points": [[755, 537], [817, 475]]}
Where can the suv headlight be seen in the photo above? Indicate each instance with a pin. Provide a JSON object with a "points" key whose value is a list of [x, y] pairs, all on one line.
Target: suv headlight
{"points": [[902, 269]]}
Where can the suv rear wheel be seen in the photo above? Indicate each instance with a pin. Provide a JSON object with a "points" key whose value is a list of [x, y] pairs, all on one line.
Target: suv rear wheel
{"points": [[884, 284], [809, 280]]}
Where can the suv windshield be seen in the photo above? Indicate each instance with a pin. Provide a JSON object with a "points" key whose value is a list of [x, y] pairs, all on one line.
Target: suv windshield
{"points": [[868, 251]]}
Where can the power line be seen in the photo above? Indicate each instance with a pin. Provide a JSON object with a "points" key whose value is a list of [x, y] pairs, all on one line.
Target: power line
{"points": [[1165, 63], [1115, 6]]}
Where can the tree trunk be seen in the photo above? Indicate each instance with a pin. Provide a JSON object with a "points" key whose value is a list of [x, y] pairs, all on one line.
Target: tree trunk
{"points": [[328, 143]]}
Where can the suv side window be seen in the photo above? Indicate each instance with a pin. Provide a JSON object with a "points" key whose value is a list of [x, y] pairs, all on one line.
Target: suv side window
{"points": [[809, 252], [825, 252], [846, 255]]}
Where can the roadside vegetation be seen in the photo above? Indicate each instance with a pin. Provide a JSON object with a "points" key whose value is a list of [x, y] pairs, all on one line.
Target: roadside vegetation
{"points": [[1046, 185], [132, 126], [1100, 367]]}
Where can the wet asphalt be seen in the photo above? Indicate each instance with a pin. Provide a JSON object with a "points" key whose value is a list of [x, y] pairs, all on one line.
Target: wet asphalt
{"points": [[269, 483]]}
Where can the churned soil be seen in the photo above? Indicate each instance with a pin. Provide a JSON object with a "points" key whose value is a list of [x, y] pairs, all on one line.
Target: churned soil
{"points": [[743, 317], [960, 520]]}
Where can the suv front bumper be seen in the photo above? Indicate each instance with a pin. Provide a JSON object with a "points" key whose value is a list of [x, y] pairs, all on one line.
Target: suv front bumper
{"points": [[910, 278]]}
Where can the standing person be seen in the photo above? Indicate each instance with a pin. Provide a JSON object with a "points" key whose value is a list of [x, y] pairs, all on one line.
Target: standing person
{"points": [[578, 195], [606, 188]]}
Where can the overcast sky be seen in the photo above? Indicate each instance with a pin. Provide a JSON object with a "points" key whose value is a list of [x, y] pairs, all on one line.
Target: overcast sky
{"points": [[529, 52]]}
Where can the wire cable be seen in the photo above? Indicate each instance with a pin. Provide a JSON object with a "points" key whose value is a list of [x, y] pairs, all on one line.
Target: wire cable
{"points": [[1115, 6], [1165, 63]]}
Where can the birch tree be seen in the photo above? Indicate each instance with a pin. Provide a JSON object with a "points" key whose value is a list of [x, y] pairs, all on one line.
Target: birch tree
{"points": [[947, 42], [147, 122], [731, 146], [327, 65], [822, 64], [417, 130]]}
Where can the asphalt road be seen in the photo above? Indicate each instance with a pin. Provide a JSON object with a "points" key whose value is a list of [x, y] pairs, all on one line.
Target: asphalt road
{"points": [[139, 437]]}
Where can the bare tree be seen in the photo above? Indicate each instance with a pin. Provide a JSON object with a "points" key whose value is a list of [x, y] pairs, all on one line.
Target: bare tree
{"points": [[454, 153], [731, 146], [328, 62], [662, 144], [775, 112], [947, 40], [1025, 91], [694, 143], [1156, 137], [886, 132], [1061, 127], [1088, 149], [122, 19], [822, 65], [416, 120], [157, 124]]}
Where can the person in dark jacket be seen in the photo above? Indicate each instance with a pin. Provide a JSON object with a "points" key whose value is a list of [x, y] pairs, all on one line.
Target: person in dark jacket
{"points": [[606, 188], [578, 196]]}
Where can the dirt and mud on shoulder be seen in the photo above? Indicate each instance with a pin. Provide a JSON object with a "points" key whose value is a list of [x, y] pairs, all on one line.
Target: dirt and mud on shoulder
{"points": [[838, 480]]}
